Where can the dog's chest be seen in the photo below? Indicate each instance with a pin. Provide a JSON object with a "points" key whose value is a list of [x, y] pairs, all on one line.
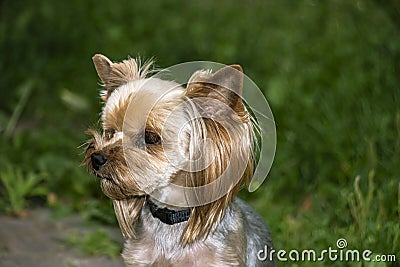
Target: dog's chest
{"points": [[159, 245], [146, 252]]}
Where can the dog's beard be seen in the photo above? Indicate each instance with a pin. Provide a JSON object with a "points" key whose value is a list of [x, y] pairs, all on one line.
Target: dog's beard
{"points": [[115, 177]]}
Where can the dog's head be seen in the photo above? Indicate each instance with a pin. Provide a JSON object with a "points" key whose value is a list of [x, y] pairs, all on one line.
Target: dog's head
{"points": [[158, 136]]}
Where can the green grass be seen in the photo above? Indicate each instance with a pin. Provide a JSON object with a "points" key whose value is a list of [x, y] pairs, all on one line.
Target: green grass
{"points": [[329, 69], [18, 187], [97, 243]]}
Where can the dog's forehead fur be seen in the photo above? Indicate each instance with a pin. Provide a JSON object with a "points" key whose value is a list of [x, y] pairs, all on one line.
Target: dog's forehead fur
{"points": [[140, 97]]}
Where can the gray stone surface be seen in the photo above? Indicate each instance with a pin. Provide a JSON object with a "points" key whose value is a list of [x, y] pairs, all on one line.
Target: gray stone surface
{"points": [[39, 241]]}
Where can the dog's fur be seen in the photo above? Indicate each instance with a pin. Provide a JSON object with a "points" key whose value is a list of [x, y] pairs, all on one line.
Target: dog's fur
{"points": [[154, 132]]}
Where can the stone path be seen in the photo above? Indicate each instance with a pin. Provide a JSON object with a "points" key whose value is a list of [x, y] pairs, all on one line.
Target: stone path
{"points": [[38, 241]]}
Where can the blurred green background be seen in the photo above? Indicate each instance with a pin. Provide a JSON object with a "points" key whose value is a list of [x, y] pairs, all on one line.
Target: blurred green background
{"points": [[329, 69]]}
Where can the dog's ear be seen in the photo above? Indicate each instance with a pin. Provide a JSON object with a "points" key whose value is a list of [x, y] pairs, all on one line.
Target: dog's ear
{"points": [[225, 86], [228, 159], [104, 68], [114, 75]]}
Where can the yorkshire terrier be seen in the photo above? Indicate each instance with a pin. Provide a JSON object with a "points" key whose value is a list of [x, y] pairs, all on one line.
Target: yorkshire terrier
{"points": [[172, 159]]}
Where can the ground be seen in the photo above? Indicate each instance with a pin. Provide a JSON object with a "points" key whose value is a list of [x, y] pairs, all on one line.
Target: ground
{"points": [[38, 240]]}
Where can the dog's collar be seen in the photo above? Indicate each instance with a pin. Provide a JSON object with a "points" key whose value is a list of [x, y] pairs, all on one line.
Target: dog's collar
{"points": [[166, 215]]}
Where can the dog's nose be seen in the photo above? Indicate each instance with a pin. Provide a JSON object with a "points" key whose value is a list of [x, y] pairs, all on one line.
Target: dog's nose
{"points": [[98, 160]]}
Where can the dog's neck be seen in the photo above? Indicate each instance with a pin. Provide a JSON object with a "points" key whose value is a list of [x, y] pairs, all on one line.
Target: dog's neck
{"points": [[166, 215]]}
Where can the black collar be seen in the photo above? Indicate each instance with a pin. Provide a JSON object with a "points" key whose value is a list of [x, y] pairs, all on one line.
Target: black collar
{"points": [[166, 215]]}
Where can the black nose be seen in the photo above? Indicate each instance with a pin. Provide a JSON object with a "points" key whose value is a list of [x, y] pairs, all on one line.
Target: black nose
{"points": [[98, 160]]}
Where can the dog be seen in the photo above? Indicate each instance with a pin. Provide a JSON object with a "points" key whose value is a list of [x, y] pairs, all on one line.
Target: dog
{"points": [[172, 158]]}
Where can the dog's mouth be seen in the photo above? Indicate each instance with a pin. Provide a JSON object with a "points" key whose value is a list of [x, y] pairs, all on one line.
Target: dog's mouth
{"points": [[104, 178]]}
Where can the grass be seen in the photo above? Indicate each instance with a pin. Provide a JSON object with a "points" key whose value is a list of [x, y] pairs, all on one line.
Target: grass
{"points": [[97, 242], [18, 187], [360, 204], [329, 69]]}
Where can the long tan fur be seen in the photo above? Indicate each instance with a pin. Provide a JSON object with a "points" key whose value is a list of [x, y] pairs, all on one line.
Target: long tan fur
{"points": [[231, 152]]}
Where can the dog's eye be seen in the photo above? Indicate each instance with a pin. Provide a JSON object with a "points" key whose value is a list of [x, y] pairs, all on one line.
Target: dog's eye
{"points": [[109, 133], [151, 138]]}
